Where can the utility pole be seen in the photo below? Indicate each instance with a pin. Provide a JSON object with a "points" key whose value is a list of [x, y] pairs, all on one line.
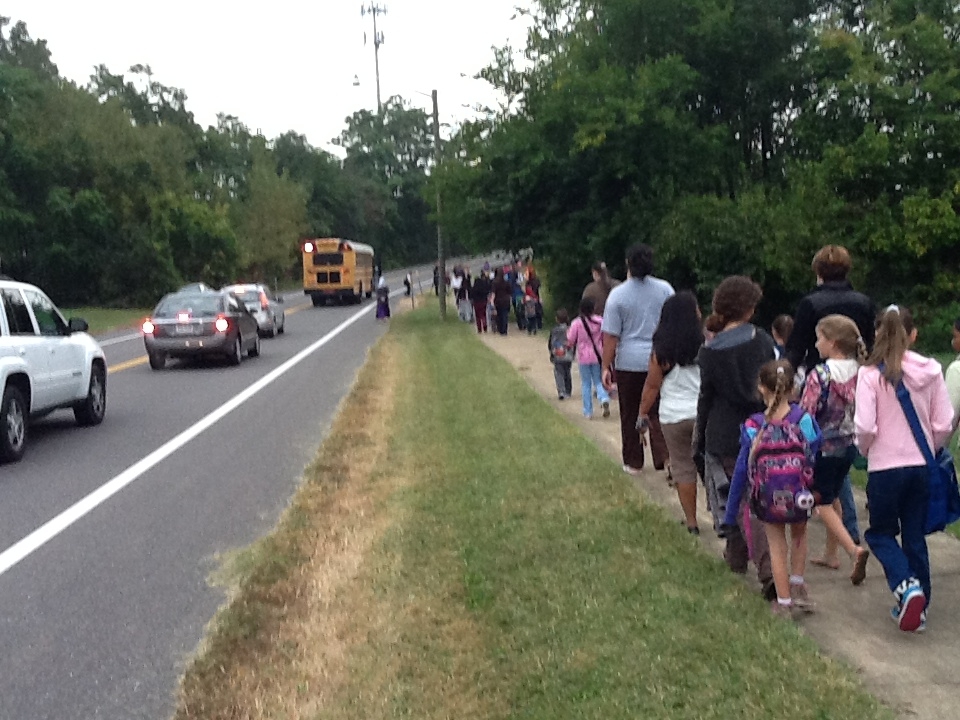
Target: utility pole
{"points": [[374, 9], [441, 260]]}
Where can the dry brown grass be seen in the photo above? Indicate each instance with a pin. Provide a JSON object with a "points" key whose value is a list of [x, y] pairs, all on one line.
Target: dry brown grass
{"points": [[321, 612]]}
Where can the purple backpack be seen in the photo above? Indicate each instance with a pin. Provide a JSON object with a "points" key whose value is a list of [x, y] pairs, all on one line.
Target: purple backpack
{"points": [[781, 468]]}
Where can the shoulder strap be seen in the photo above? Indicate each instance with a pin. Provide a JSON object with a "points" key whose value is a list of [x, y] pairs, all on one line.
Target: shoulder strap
{"points": [[586, 328], [903, 395]]}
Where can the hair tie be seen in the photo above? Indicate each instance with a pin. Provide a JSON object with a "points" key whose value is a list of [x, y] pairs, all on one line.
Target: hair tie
{"points": [[893, 308]]}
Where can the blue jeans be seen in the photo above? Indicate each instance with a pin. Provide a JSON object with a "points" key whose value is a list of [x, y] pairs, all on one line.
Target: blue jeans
{"points": [[590, 375], [898, 506], [849, 508]]}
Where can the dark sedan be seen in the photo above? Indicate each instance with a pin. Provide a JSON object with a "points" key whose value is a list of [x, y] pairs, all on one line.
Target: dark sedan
{"points": [[198, 324]]}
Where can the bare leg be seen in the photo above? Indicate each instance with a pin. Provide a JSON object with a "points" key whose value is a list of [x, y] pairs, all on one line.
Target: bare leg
{"points": [[687, 492], [836, 532], [777, 540], [830, 550], [798, 554]]}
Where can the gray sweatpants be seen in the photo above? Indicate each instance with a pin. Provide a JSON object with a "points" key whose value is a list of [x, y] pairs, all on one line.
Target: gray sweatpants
{"points": [[563, 378]]}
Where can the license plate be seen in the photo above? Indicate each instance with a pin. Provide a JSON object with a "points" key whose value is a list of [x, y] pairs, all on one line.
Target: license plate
{"points": [[185, 330]]}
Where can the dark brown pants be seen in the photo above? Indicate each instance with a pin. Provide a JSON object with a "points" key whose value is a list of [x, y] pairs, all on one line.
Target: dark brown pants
{"points": [[630, 390]]}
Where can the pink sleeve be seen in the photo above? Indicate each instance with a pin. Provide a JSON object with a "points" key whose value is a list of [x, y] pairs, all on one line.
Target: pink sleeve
{"points": [[941, 414], [572, 333], [865, 414], [811, 393]]}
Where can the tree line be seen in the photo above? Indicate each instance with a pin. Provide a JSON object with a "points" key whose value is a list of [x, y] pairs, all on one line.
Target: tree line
{"points": [[735, 136], [113, 194]]}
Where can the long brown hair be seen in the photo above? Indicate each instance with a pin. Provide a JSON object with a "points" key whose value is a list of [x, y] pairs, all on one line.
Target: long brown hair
{"points": [[777, 377], [845, 334], [894, 326]]}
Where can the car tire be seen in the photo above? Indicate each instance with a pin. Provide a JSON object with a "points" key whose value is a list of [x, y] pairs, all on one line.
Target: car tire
{"points": [[157, 361], [235, 357], [255, 350], [91, 410], [317, 301], [283, 325], [13, 425]]}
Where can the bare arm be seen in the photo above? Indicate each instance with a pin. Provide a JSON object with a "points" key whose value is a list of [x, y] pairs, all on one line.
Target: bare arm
{"points": [[610, 343], [651, 388]]}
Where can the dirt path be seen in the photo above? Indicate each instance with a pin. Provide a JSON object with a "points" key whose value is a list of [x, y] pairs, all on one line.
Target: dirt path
{"points": [[916, 675]]}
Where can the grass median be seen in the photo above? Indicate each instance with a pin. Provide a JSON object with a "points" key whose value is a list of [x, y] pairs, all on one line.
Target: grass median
{"points": [[459, 549], [103, 320]]}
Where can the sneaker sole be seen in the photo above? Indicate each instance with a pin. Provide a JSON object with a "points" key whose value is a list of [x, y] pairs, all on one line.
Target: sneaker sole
{"points": [[911, 612], [859, 573]]}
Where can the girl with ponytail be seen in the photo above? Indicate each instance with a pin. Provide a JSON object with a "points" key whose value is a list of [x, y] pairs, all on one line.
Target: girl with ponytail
{"points": [[897, 472], [777, 455], [829, 394]]}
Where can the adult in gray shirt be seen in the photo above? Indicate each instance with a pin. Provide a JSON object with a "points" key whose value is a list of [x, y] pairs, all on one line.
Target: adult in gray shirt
{"points": [[629, 320]]}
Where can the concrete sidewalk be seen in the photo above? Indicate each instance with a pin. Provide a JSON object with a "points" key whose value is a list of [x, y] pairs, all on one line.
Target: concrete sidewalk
{"points": [[917, 675]]}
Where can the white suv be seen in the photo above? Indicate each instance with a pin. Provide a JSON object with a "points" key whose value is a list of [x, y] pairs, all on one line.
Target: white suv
{"points": [[46, 364]]}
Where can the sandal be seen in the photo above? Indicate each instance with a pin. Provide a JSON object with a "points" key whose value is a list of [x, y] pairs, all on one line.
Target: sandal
{"points": [[859, 572], [820, 562]]}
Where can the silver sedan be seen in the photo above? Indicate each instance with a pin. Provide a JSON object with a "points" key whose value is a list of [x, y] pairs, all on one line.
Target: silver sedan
{"points": [[267, 309]]}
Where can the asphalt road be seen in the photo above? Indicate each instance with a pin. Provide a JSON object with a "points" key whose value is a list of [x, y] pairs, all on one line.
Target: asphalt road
{"points": [[99, 620]]}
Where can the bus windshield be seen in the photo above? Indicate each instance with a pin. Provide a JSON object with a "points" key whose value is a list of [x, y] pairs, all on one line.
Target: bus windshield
{"points": [[328, 259]]}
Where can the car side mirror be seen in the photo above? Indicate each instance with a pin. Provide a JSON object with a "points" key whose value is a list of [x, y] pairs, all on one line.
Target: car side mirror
{"points": [[77, 325]]}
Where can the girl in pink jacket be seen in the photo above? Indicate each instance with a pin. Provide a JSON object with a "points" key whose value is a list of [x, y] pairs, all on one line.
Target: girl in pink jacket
{"points": [[897, 471], [585, 337]]}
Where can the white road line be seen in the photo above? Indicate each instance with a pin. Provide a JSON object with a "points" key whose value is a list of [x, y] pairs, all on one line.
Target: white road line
{"points": [[118, 340], [49, 530]]}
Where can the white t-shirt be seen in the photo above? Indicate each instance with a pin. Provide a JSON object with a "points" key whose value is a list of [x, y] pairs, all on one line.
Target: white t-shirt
{"points": [[679, 393]]}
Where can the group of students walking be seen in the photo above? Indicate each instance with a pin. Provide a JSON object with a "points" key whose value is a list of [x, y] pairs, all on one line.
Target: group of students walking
{"points": [[773, 425]]}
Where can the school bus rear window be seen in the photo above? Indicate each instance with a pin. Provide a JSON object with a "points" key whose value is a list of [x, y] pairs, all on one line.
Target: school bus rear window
{"points": [[328, 259]]}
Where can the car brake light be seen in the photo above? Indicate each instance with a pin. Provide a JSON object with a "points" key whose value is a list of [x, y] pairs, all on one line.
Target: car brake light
{"points": [[308, 247], [148, 327], [221, 324], [264, 303]]}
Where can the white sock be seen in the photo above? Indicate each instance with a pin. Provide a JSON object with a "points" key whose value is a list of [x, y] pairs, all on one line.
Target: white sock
{"points": [[796, 579], [784, 602]]}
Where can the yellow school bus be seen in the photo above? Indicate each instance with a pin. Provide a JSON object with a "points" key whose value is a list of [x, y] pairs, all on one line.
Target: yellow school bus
{"points": [[336, 269]]}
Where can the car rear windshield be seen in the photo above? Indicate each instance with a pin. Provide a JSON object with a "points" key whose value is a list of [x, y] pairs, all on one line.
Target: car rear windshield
{"points": [[249, 297], [195, 305]]}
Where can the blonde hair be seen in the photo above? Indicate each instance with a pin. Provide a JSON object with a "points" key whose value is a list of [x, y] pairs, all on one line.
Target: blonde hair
{"points": [[894, 327], [844, 333], [777, 377]]}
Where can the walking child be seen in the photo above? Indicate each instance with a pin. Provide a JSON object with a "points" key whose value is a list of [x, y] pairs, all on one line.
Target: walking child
{"points": [[531, 303], [561, 355], [777, 456], [895, 384], [829, 395], [584, 336]]}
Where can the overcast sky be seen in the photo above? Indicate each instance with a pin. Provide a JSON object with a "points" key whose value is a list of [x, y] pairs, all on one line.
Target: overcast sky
{"points": [[286, 65]]}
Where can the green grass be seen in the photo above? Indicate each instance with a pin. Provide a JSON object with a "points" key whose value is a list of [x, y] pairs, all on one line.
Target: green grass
{"points": [[515, 572], [589, 603], [102, 320]]}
